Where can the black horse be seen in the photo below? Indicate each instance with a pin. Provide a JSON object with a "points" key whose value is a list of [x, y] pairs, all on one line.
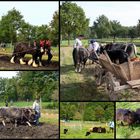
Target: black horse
{"points": [[96, 130], [119, 52], [129, 48], [21, 49]]}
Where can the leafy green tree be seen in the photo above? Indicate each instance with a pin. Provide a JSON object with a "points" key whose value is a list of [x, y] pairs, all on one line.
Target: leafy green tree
{"points": [[102, 26], [29, 85], [87, 111], [73, 20], [116, 29], [26, 33], [67, 110], [42, 32], [54, 30], [132, 32], [10, 25]]}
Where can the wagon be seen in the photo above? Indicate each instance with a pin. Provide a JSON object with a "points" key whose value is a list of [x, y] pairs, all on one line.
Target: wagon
{"points": [[117, 77]]}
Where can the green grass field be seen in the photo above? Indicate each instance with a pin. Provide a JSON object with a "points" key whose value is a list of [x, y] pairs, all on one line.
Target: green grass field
{"points": [[45, 105], [77, 86], [64, 43], [78, 129], [126, 132]]}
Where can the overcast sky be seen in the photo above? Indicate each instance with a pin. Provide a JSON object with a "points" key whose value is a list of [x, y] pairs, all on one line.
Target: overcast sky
{"points": [[8, 74], [36, 13], [127, 13]]}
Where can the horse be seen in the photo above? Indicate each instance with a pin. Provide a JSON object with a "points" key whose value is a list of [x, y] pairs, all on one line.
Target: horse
{"points": [[119, 51], [138, 115], [129, 48], [22, 48], [126, 116], [96, 130], [118, 56], [80, 56]]}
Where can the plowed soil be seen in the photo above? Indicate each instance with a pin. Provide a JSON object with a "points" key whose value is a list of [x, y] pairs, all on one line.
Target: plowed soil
{"points": [[6, 65], [42, 131]]}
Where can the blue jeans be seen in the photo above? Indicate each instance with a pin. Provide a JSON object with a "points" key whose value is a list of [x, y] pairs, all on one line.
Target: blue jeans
{"points": [[37, 116]]}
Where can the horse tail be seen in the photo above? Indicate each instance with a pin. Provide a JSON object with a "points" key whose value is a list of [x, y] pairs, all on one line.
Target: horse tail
{"points": [[135, 50], [75, 53]]}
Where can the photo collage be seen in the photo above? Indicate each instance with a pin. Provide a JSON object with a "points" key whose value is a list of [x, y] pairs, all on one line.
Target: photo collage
{"points": [[69, 70]]}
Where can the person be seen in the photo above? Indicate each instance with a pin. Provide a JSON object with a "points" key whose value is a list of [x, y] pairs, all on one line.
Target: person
{"points": [[48, 46], [78, 43], [36, 45], [6, 103], [94, 49], [42, 44], [11, 102], [111, 125], [36, 108], [94, 46]]}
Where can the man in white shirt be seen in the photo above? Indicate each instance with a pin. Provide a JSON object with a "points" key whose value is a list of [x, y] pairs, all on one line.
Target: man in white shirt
{"points": [[94, 45], [94, 49], [111, 125], [36, 107], [78, 43]]}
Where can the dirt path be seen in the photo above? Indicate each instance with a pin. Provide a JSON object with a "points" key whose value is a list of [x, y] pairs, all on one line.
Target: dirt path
{"points": [[43, 131], [6, 65]]}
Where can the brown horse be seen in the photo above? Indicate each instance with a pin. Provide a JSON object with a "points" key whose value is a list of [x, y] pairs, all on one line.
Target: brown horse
{"points": [[21, 49], [126, 116]]}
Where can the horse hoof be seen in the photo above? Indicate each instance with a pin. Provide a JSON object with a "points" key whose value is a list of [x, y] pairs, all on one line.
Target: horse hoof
{"points": [[79, 70], [22, 62], [34, 64], [76, 70], [40, 64], [30, 61], [12, 60]]}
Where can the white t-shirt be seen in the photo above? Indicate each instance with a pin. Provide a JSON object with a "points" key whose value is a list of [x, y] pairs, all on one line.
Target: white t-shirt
{"points": [[95, 46], [77, 43], [111, 124], [36, 106]]}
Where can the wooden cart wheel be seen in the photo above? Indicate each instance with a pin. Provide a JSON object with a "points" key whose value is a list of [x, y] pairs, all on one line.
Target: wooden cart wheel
{"points": [[98, 72], [110, 85]]}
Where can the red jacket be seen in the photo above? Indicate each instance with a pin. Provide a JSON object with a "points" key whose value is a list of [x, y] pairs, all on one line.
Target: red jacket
{"points": [[48, 43], [42, 43]]}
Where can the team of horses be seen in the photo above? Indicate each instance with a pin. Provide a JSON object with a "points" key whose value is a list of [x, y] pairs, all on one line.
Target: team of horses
{"points": [[118, 53], [21, 48]]}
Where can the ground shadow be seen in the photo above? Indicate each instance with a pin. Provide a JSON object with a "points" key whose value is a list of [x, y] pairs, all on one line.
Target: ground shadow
{"points": [[84, 90]]}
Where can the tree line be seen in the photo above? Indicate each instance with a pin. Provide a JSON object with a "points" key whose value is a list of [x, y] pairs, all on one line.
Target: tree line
{"points": [[74, 22], [13, 28], [87, 111], [28, 85]]}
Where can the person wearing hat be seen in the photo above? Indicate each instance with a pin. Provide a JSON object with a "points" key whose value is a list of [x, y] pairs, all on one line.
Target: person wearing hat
{"points": [[94, 46], [78, 43], [94, 49]]}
